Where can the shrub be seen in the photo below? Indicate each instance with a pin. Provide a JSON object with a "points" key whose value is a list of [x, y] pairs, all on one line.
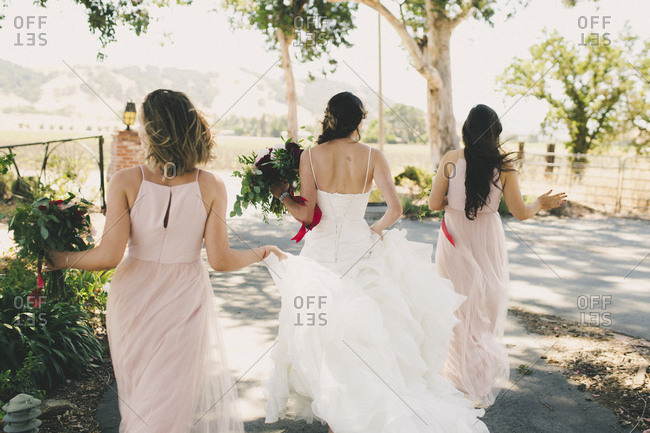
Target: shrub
{"points": [[418, 176], [57, 334], [22, 381], [88, 289], [413, 208]]}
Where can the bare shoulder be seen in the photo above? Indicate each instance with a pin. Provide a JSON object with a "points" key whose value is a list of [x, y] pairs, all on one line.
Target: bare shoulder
{"points": [[211, 182], [374, 153], [128, 177], [452, 156], [213, 189], [304, 156]]}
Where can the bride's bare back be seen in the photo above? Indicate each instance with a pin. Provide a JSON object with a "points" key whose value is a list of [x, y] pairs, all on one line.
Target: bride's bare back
{"points": [[340, 166]]}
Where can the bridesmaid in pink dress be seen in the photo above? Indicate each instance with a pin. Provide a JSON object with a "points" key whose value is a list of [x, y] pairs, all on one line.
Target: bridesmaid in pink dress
{"points": [[162, 320], [472, 252]]}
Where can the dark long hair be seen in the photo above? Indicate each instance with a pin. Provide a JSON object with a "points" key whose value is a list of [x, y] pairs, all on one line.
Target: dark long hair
{"points": [[343, 115], [483, 155]]}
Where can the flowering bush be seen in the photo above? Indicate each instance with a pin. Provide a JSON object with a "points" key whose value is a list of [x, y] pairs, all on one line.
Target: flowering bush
{"points": [[277, 165], [62, 225]]}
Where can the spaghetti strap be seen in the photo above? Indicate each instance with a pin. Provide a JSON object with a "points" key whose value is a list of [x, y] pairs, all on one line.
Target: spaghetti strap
{"points": [[142, 171], [363, 189], [197, 174], [312, 167]]}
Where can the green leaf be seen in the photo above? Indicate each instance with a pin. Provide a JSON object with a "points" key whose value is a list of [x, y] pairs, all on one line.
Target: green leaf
{"points": [[44, 232]]}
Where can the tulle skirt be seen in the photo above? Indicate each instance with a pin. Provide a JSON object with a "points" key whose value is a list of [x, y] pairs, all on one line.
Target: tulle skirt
{"points": [[167, 351], [478, 268], [361, 347]]}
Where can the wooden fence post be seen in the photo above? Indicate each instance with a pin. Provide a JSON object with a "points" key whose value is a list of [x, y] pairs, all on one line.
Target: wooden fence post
{"points": [[520, 156], [550, 158]]}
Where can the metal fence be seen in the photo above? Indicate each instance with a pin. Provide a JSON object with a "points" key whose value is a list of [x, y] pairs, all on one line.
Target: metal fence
{"points": [[612, 184], [33, 155]]}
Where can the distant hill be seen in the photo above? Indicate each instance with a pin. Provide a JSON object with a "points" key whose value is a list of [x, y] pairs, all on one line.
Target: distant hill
{"points": [[60, 98]]}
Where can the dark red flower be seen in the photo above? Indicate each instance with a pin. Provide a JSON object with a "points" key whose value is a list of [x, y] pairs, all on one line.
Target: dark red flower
{"points": [[42, 207], [293, 147], [295, 150], [79, 214], [265, 164]]}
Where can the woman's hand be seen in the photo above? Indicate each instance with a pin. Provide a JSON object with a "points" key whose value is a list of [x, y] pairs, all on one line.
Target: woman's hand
{"points": [[277, 189], [56, 260], [548, 201], [268, 249]]}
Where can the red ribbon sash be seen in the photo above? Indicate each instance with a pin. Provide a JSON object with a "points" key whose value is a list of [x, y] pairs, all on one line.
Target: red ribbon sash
{"points": [[314, 222], [447, 235]]}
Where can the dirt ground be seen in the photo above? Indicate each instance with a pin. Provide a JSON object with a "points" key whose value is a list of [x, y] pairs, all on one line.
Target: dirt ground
{"points": [[610, 368]]}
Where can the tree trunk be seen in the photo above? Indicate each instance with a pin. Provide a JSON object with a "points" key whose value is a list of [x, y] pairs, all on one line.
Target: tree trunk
{"points": [[433, 117], [442, 62], [433, 62], [290, 84]]}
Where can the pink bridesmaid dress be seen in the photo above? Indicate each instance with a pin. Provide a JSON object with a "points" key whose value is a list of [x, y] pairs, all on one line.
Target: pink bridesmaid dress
{"points": [[477, 265], [162, 321]]}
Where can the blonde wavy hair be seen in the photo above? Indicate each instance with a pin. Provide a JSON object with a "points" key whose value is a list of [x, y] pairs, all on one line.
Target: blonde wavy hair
{"points": [[177, 133]]}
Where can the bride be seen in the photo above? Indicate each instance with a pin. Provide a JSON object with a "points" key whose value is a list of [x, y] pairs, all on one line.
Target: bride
{"points": [[365, 319]]}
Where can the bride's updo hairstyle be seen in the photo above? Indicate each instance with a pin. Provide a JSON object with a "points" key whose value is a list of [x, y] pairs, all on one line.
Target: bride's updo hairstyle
{"points": [[343, 116], [483, 155], [177, 134]]}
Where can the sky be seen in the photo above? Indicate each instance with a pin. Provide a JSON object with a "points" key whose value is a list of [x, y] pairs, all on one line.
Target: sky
{"points": [[200, 37]]}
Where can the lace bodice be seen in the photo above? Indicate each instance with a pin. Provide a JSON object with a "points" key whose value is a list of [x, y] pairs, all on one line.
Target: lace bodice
{"points": [[343, 235]]}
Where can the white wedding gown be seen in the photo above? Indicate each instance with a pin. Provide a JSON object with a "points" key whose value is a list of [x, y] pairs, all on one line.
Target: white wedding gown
{"points": [[363, 331]]}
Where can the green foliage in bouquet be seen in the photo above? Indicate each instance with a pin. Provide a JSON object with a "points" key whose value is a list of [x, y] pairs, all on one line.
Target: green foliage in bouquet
{"points": [[277, 165], [62, 225]]}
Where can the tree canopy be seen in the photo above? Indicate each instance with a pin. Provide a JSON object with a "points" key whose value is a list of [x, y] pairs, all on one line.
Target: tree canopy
{"points": [[312, 26], [596, 90]]}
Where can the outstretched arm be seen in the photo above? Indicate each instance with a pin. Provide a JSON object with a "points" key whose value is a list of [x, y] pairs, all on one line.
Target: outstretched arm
{"points": [[515, 201], [220, 256]]}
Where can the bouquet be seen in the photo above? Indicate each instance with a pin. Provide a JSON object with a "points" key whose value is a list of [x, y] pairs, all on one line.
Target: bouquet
{"points": [[62, 225], [277, 165]]}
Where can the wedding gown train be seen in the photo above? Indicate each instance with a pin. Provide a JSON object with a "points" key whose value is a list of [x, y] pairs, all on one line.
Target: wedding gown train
{"points": [[363, 331]]}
